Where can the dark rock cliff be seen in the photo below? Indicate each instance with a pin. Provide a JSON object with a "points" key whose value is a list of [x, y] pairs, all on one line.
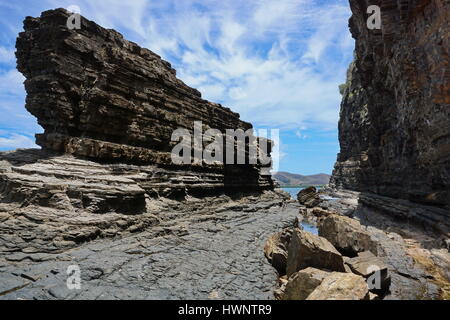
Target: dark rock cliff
{"points": [[394, 127], [102, 97]]}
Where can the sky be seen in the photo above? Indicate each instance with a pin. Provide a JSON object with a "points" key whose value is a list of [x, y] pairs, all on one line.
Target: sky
{"points": [[278, 63]]}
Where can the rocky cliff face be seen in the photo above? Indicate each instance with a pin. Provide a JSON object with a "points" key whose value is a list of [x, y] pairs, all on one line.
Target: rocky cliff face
{"points": [[394, 128], [102, 97]]}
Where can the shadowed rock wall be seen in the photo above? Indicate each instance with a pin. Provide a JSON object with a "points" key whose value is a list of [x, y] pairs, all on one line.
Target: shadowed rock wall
{"points": [[394, 128]]}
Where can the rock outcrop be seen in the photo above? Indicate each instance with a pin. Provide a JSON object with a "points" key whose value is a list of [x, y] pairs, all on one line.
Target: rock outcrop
{"points": [[394, 127], [102, 97], [103, 193]]}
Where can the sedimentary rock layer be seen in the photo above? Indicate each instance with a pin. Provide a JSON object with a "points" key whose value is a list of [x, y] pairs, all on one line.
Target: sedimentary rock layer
{"points": [[100, 96], [394, 128]]}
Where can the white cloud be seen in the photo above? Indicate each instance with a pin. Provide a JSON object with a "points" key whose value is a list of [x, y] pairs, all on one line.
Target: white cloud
{"points": [[15, 141], [276, 62], [301, 135], [6, 55], [11, 82]]}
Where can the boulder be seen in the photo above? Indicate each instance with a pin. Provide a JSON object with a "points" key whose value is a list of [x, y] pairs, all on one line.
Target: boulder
{"points": [[275, 250], [347, 235], [369, 266], [300, 285], [308, 250], [309, 197], [341, 286]]}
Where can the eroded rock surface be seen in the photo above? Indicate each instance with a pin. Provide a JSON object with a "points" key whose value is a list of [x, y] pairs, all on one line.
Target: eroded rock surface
{"points": [[100, 96], [394, 128], [202, 249]]}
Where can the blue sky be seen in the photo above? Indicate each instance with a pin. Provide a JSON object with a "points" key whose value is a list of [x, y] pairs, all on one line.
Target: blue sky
{"points": [[276, 62]]}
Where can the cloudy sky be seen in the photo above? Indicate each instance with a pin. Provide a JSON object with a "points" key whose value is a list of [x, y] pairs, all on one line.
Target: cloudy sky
{"points": [[276, 62]]}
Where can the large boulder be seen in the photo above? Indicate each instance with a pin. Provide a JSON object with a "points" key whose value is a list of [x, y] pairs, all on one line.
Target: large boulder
{"points": [[347, 235], [341, 286], [308, 250], [367, 265], [309, 197], [300, 285]]}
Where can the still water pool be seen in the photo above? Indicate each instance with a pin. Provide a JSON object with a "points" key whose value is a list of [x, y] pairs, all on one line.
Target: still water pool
{"points": [[306, 226]]}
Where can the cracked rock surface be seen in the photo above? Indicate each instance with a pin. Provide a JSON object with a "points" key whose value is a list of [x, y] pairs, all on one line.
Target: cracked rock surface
{"points": [[213, 252]]}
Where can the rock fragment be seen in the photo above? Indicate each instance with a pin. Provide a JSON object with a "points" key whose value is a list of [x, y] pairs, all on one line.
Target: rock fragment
{"points": [[302, 283], [347, 235], [308, 250], [341, 286]]}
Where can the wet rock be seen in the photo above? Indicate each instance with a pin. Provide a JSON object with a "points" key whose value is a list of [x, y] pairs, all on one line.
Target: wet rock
{"points": [[308, 250], [341, 286], [347, 235], [309, 197], [300, 284], [373, 269]]}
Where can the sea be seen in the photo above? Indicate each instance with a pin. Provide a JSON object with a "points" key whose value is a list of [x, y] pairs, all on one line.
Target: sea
{"points": [[293, 191]]}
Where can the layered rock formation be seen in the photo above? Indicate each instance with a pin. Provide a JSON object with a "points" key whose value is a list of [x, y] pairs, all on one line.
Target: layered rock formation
{"points": [[102, 97], [394, 128]]}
